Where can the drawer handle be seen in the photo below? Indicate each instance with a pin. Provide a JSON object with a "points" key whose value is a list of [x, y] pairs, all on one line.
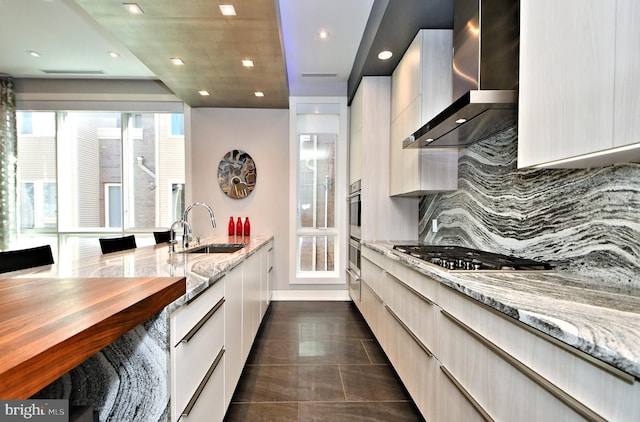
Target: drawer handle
{"points": [[193, 331], [203, 383], [411, 289], [467, 396], [375, 294], [352, 274], [374, 264], [415, 338], [554, 390]]}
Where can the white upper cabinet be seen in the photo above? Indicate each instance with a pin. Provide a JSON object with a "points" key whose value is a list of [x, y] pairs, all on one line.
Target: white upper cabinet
{"points": [[578, 94], [421, 88], [627, 69]]}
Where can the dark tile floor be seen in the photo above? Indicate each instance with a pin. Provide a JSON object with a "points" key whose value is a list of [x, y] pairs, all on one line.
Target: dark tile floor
{"points": [[318, 361]]}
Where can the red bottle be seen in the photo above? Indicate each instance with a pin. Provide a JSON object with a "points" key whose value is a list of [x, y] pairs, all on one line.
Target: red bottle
{"points": [[247, 226], [239, 227], [232, 227]]}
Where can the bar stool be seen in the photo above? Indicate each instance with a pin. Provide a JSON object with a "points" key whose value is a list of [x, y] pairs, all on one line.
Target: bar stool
{"points": [[21, 259], [116, 244]]}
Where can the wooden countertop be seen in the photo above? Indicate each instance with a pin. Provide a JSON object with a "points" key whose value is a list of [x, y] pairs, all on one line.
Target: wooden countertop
{"points": [[49, 326]]}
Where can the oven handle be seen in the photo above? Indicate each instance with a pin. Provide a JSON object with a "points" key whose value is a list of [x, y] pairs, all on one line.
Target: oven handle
{"points": [[352, 274]]}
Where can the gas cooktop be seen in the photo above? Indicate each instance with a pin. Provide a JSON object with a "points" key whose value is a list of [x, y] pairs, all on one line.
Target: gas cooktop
{"points": [[465, 259]]}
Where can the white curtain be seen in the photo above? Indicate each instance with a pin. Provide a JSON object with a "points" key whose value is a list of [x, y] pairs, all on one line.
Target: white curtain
{"points": [[8, 163]]}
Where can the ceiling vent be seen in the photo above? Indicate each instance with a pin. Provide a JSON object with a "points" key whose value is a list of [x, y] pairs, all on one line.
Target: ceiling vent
{"points": [[72, 72], [319, 75]]}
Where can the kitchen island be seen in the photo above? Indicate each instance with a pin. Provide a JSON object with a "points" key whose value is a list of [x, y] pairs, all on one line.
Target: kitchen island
{"points": [[130, 379], [518, 345]]}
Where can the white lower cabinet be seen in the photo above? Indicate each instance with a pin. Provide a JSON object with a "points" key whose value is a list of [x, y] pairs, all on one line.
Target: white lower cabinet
{"points": [[461, 360], [210, 337], [207, 405], [266, 278], [251, 317], [233, 331], [196, 334]]}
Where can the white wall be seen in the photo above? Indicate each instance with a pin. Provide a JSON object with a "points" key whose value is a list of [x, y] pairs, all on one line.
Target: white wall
{"points": [[264, 134]]}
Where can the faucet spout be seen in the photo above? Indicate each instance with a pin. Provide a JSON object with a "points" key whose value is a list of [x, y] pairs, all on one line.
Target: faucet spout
{"points": [[186, 231], [185, 215]]}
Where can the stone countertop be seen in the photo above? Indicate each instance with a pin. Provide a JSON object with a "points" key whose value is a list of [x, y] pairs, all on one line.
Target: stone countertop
{"points": [[599, 318], [200, 269]]}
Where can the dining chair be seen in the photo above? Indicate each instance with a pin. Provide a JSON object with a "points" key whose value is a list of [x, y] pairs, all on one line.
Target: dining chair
{"points": [[116, 244], [21, 259], [162, 237]]}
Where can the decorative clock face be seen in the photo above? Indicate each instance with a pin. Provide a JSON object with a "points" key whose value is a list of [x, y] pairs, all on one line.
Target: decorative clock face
{"points": [[237, 174]]}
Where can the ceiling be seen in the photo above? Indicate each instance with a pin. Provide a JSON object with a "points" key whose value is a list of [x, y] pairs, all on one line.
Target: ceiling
{"points": [[282, 38]]}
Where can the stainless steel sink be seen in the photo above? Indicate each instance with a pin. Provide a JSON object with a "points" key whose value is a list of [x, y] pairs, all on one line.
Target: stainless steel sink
{"points": [[217, 248]]}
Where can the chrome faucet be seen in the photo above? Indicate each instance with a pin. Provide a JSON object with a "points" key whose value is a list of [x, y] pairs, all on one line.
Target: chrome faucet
{"points": [[187, 235], [186, 229]]}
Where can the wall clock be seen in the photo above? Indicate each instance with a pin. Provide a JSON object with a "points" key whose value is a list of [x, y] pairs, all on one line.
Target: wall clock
{"points": [[237, 174]]}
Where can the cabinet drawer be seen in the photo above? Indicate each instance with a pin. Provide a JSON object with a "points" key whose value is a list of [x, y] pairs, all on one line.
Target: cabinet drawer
{"points": [[375, 277], [417, 311], [208, 403], [413, 361], [192, 357], [187, 316], [504, 387], [604, 389]]}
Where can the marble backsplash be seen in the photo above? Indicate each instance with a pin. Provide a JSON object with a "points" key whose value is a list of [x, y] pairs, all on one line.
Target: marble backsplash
{"points": [[584, 221]]}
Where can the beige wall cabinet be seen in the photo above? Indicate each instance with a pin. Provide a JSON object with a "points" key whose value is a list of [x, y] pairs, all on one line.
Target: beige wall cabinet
{"points": [[578, 83], [420, 89], [461, 360], [382, 217]]}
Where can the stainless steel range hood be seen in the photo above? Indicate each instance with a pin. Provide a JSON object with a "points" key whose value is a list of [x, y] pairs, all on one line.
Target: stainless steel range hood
{"points": [[485, 76]]}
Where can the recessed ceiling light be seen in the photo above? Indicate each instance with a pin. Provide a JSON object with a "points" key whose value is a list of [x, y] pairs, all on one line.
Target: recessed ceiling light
{"points": [[385, 55], [228, 10], [461, 120], [259, 94], [177, 61], [323, 34], [33, 53], [133, 8], [247, 63], [113, 54], [204, 93]]}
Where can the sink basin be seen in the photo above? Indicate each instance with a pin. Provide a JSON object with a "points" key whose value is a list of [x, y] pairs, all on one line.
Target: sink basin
{"points": [[217, 248]]}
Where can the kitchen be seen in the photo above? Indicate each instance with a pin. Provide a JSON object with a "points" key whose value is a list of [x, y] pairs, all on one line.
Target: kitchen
{"points": [[560, 219]]}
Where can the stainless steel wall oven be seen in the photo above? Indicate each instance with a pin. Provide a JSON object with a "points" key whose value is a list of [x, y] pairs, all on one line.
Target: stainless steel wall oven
{"points": [[353, 270]]}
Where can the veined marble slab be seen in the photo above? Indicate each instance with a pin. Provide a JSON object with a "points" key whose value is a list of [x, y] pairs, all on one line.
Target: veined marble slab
{"points": [[600, 318], [585, 221]]}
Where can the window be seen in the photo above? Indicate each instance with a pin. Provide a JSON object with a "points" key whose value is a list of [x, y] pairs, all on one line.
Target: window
{"points": [[319, 151], [121, 171], [177, 124], [113, 204], [316, 196], [36, 177], [25, 123]]}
